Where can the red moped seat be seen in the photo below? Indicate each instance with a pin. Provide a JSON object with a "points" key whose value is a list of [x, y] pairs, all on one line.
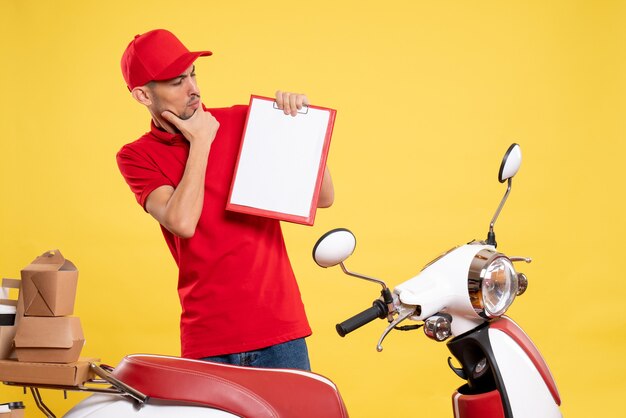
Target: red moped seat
{"points": [[243, 391]]}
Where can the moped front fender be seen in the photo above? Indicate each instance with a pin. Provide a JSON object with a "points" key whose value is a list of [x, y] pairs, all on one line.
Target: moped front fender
{"points": [[516, 381]]}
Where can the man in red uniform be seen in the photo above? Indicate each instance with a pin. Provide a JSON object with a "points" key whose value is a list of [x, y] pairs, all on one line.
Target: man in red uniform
{"points": [[239, 297]]}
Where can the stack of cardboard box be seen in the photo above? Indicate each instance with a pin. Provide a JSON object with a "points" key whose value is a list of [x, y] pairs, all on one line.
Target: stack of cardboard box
{"points": [[46, 333], [48, 340]]}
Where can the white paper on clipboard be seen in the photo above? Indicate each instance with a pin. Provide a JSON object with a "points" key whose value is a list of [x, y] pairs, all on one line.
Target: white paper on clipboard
{"points": [[281, 161]]}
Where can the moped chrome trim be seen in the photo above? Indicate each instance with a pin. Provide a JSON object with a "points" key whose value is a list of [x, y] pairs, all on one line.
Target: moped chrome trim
{"points": [[118, 384], [385, 293], [362, 276], [475, 277], [501, 205], [522, 283], [438, 327], [524, 259]]}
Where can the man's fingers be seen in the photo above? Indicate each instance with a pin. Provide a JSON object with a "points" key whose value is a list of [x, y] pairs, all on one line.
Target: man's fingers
{"points": [[169, 116], [284, 102], [293, 104], [176, 120], [279, 99], [290, 103]]}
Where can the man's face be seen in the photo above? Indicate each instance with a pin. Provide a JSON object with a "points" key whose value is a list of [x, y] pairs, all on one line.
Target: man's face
{"points": [[179, 95]]}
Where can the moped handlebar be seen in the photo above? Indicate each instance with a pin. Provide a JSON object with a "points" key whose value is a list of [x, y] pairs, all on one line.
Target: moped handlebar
{"points": [[378, 310]]}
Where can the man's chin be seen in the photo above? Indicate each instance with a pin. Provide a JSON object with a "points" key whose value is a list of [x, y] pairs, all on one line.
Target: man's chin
{"points": [[190, 111]]}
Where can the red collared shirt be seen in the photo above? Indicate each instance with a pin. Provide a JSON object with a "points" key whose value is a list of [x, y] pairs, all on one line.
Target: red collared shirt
{"points": [[236, 285]]}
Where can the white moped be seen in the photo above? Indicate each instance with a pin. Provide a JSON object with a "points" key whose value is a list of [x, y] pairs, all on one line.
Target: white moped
{"points": [[461, 296]]}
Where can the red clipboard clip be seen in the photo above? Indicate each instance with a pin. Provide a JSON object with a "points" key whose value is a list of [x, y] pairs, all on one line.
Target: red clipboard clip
{"points": [[303, 111]]}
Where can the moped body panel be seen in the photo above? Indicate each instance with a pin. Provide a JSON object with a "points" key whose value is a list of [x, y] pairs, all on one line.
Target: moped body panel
{"points": [[530, 388], [108, 406], [500, 357], [442, 287]]}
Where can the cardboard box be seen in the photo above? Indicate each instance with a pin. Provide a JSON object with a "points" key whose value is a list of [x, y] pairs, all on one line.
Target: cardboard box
{"points": [[15, 413], [49, 340], [12, 410], [7, 332], [49, 285], [70, 374]]}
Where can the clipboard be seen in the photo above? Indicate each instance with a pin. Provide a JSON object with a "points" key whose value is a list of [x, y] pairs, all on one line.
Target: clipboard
{"points": [[281, 161]]}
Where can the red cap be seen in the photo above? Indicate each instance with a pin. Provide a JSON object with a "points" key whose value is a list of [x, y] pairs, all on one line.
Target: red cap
{"points": [[156, 55]]}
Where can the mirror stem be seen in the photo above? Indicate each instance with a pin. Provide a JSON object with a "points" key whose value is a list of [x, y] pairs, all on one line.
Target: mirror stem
{"points": [[385, 293], [362, 276], [491, 236]]}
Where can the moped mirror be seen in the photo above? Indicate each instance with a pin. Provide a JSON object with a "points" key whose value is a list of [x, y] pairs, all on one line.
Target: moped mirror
{"points": [[334, 247], [508, 168], [510, 163]]}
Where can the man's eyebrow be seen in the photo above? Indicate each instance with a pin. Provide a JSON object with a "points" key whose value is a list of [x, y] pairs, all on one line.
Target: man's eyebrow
{"points": [[183, 76], [193, 70]]}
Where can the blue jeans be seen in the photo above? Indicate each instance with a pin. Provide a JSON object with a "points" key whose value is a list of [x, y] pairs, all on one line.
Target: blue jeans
{"points": [[290, 355]]}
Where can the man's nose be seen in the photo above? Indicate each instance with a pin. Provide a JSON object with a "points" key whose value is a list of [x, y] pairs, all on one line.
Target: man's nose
{"points": [[192, 86]]}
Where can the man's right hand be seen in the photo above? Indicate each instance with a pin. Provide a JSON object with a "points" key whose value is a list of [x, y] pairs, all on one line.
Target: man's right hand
{"points": [[200, 128], [179, 209]]}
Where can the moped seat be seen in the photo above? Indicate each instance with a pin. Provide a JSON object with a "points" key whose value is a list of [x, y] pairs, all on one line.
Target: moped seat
{"points": [[243, 391]]}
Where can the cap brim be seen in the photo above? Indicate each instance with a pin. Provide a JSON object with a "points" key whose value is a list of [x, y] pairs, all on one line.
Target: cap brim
{"points": [[180, 65]]}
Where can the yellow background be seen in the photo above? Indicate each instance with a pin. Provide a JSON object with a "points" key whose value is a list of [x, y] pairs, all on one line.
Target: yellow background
{"points": [[429, 95]]}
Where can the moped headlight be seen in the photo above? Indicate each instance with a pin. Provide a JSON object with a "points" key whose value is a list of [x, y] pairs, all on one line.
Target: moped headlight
{"points": [[492, 283]]}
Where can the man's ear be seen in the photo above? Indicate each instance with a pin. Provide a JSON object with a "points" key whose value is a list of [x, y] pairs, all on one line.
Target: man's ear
{"points": [[142, 95]]}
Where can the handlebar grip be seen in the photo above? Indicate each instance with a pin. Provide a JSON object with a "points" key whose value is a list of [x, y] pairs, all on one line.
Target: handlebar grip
{"points": [[378, 310]]}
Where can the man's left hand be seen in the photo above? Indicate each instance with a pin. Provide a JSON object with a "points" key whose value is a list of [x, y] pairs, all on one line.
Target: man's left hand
{"points": [[290, 103]]}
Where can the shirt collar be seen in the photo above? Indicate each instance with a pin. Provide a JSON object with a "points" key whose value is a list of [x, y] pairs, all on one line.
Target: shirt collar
{"points": [[165, 136]]}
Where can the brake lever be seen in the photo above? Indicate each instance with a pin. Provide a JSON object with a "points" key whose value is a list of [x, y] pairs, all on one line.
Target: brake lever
{"points": [[395, 322]]}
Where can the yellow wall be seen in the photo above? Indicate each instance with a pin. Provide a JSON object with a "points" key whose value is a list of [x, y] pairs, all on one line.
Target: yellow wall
{"points": [[429, 95]]}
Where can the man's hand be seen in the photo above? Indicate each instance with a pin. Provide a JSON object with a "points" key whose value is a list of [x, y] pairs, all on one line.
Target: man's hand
{"points": [[290, 103], [178, 209], [200, 128]]}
